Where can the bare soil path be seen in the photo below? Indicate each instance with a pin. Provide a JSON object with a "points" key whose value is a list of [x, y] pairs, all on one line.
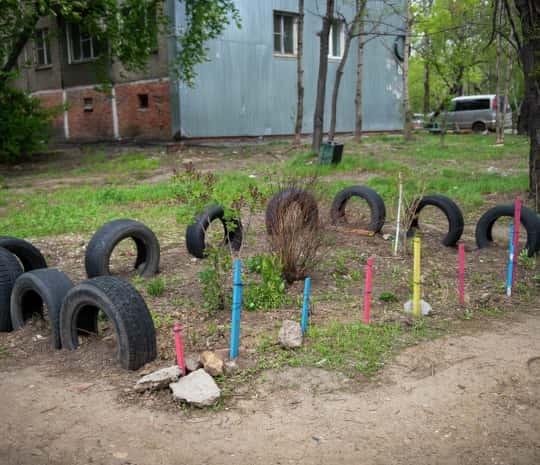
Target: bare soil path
{"points": [[469, 399]]}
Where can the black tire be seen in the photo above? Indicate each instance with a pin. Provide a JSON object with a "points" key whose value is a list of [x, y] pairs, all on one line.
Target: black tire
{"points": [[32, 290], [478, 127], [196, 232], [287, 197], [30, 257], [529, 220], [123, 305], [373, 199], [451, 211], [10, 269], [100, 247]]}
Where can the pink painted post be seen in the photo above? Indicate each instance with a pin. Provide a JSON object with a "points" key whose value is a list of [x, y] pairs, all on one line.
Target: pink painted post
{"points": [[179, 347], [367, 290], [461, 273], [517, 220]]}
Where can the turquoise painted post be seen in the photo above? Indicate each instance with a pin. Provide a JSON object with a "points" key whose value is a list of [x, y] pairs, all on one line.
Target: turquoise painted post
{"points": [[510, 269], [236, 309], [305, 306]]}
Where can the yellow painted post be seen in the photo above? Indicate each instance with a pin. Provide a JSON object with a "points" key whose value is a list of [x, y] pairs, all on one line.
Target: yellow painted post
{"points": [[416, 277]]}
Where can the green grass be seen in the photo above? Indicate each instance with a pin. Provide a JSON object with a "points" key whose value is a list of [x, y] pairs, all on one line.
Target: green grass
{"points": [[156, 286]]}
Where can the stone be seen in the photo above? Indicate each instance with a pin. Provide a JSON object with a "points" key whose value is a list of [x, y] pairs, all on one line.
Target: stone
{"points": [[212, 364], [387, 237], [425, 308], [79, 387], [290, 334], [158, 379], [197, 388], [192, 362], [230, 367]]}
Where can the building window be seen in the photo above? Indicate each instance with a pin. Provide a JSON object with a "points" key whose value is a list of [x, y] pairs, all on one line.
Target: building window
{"points": [[88, 104], [336, 40], [81, 45], [285, 31], [143, 101], [43, 51]]}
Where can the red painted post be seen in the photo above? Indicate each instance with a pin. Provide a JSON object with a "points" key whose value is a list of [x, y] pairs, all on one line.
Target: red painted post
{"points": [[179, 347], [517, 221], [461, 273], [367, 290]]}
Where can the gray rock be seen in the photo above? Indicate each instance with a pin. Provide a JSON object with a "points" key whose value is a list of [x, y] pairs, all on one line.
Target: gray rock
{"points": [[425, 308], [158, 379], [290, 334], [192, 362], [197, 388]]}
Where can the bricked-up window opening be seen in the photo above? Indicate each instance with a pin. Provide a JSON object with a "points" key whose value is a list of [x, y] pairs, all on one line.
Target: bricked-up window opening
{"points": [[336, 40], [143, 101], [88, 104], [285, 31], [81, 45], [43, 51]]}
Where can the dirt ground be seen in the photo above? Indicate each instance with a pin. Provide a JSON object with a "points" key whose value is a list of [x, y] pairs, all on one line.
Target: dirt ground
{"points": [[471, 397]]}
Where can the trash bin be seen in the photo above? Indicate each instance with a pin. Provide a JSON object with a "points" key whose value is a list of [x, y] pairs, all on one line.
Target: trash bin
{"points": [[330, 152]]}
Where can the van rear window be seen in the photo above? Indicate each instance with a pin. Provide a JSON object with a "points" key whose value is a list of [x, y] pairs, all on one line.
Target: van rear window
{"points": [[473, 104]]}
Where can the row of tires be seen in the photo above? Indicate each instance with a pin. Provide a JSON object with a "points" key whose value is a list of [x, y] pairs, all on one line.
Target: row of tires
{"points": [[195, 234], [72, 310]]}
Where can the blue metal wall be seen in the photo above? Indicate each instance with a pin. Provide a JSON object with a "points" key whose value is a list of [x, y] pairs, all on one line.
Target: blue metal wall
{"points": [[247, 91]]}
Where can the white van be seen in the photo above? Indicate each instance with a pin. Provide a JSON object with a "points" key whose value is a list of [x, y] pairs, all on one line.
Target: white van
{"points": [[476, 112]]}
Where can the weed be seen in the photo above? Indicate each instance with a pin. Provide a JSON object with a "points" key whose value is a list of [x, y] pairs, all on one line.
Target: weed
{"points": [[468, 314], [215, 280], [161, 320], [525, 261], [388, 297], [270, 292], [491, 311], [156, 286], [4, 352]]}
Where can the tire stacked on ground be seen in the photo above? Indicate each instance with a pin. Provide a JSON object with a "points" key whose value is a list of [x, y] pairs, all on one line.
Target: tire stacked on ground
{"points": [[10, 270], [100, 247], [286, 199], [124, 307], [196, 232], [33, 290], [448, 207], [529, 220], [373, 199], [29, 256]]}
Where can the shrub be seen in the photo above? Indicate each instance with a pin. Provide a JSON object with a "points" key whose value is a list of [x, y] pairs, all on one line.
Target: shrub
{"points": [[24, 124], [270, 292]]}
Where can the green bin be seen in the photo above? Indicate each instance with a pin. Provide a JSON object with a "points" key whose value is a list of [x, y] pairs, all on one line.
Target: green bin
{"points": [[330, 152]]}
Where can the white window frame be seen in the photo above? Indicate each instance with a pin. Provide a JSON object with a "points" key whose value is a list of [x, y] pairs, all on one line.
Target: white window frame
{"points": [[90, 39], [341, 40], [294, 16], [42, 43]]}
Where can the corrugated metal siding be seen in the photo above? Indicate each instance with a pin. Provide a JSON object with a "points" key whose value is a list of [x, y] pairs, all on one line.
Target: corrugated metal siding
{"points": [[247, 91]]}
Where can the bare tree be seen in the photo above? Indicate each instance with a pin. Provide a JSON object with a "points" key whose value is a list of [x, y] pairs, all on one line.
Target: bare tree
{"points": [[318, 116], [498, 123], [359, 80], [407, 127], [300, 74]]}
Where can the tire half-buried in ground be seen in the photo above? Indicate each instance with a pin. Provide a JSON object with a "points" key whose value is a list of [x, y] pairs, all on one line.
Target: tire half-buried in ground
{"points": [[35, 289], [10, 269], [451, 211], [528, 219], [196, 232], [125, 308], [373, 199], [288, 198], [100, 247], [30, 257]]}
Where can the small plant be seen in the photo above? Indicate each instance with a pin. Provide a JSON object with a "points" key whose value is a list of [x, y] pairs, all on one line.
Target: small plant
{"points": [[270, 292], [161, 320], [388, 297], [215, 280], [156, 286], [468, 314], [4, 352], [525, 261]]}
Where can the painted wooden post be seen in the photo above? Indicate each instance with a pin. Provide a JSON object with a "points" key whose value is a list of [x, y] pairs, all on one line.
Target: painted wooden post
{"points": [[461, 274], [367, 290], [236, 309], [510, 267], [517, 221], [177, 329], [305, 306], [416, 277]]}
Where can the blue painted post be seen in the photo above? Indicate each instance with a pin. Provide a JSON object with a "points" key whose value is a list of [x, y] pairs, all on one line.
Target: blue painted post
{"points": [[305, 306], [236, 309], [510, 269]]}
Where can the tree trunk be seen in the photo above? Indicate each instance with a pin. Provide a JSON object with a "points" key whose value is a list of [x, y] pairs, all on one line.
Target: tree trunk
{"points": [[506, 97], [529, 15], [337, 82], [318, 116], [426, 89], [359, 80], [300, 74], [498, 125], [407, 128]]}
